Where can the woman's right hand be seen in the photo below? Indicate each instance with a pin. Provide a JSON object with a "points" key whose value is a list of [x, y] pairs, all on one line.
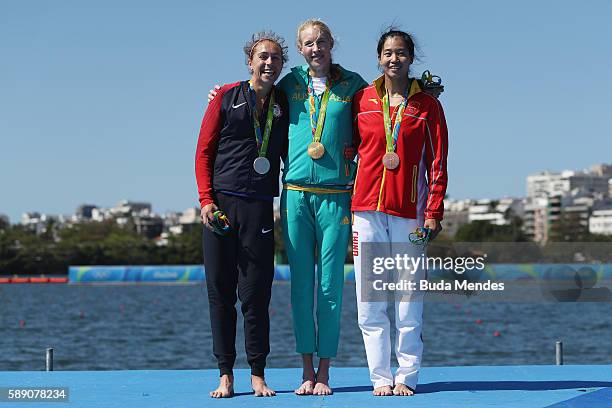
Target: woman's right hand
{"points": [[213, 92], [206, 214]]}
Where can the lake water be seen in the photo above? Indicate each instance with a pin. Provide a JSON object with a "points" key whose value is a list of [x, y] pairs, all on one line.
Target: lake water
{"points": [[167, 327]]}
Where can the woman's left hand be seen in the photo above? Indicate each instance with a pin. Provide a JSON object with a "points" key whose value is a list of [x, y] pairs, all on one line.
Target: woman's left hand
{"points": [[434, 225]]}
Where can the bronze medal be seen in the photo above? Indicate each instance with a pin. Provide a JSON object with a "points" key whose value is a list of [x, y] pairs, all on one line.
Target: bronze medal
{"points": [[391, 160], [316, 150]]}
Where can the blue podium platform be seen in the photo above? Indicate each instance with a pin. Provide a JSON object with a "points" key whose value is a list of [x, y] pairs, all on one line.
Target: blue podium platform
{"points": [[504, 386]]}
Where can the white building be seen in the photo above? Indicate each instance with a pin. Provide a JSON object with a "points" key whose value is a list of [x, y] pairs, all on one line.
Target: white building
{"points": [[100, 214], [177, 223], [559, 218], [455, 215], [601, 170], [460, 212], [535, 219], [84, 212], [567, 182], [33, 221], [190, 216], [39, 222], [132, 208], [600, 222], [559, 204], [497, 212]]}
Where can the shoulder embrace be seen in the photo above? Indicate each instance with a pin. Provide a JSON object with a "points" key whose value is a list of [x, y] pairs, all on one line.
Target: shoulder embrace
{"points": [[226, 87]]}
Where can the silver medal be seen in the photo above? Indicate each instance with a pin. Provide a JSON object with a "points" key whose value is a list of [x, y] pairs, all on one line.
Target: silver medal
{"points": [[261, 165]]}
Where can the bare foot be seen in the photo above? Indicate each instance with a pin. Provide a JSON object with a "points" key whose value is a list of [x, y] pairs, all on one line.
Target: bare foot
{"points": [[383, 391], [403, 390], [260, 388], [225, 388], [306, 388], [308, 376], [322, 387]]}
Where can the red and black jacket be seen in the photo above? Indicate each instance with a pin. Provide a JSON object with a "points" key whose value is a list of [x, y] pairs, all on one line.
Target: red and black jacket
{"points": [[227, 145]]}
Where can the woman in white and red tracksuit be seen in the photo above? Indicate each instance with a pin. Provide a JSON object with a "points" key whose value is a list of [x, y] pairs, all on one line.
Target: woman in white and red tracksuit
{"points": [[400, 185]]}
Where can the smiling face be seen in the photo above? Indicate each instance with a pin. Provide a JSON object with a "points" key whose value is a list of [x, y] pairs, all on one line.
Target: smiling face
{"points": [[316, 45], [266, 62], [395, 58]]}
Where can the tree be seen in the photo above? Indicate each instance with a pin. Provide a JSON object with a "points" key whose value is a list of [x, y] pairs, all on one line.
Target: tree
{"points": [[484, 231]]}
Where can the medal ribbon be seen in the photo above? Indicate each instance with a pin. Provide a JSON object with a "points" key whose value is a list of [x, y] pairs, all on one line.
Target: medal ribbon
{"points": [[317, 118], [262, 142], [392, 130]]}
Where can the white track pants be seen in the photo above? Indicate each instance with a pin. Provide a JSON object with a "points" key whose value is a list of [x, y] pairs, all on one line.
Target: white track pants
{"points": [[371, 226]]}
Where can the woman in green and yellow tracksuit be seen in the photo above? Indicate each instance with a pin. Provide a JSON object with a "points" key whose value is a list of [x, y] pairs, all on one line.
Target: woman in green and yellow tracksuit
{"points": [[315, 203]]}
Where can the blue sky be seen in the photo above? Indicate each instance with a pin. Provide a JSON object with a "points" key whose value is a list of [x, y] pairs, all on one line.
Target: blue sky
{"points": [[101, 101]]}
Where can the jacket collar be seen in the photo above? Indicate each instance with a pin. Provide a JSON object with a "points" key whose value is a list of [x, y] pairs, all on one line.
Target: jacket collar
{"points": [[337, 73], [379, 85]]}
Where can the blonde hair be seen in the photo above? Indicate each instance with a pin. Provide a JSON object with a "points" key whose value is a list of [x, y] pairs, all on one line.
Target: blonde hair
{"points": [[317, 23]]}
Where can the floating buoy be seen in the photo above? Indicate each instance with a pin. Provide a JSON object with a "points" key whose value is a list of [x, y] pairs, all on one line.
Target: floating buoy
{"points": [[478, 321], [496, 333], [82, 314], [22, 323]]}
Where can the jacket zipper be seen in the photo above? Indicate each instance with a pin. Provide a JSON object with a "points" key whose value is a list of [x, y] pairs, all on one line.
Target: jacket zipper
{"points": [[414, 183]]}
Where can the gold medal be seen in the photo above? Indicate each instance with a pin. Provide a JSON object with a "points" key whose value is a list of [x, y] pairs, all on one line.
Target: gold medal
{"points": [[391, 160], [316, 150]]}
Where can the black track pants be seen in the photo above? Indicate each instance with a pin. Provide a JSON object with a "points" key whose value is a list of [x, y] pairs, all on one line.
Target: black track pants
{"points": [[242, 260]]}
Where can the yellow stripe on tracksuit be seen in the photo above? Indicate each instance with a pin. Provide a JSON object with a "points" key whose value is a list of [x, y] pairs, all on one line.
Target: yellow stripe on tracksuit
{"points": [[316, 190]]}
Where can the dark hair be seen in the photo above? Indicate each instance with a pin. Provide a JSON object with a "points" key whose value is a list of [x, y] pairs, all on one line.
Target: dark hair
{"points": [[391, 33], [261, 36]]}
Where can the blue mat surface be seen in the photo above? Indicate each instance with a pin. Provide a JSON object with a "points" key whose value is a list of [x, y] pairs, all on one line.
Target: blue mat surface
{"points": [[507, 386]]}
